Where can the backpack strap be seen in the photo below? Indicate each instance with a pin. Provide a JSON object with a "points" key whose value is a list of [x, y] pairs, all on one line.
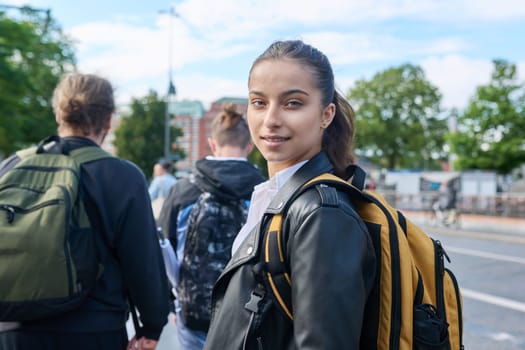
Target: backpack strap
{"points": [[358, 176], [26, 152], [89, 154], [273, 244], [53, 145]]}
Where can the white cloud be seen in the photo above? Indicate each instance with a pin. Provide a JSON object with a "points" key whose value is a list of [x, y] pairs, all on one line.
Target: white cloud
{"points": [[208, 89], [14, 3], [136, 56], [457, 77], [362, 47], [230, 14]]}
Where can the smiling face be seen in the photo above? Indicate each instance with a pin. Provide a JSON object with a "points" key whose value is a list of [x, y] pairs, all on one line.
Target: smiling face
{"points": [[285, 113]]}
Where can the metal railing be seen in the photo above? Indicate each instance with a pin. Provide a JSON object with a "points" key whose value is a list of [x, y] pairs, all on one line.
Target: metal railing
{"points": [[504, 204]]}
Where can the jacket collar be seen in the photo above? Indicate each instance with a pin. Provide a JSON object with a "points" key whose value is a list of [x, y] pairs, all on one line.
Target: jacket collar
{"points": [[317, 165]]}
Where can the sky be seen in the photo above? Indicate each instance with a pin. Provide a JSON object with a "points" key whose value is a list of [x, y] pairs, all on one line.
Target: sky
{"points": [[209, 45]]}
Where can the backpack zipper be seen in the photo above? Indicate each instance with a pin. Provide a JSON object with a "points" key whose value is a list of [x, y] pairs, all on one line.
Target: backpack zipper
{"points": [[440, 273], [458, 302], [11, 210], [46, 169]]}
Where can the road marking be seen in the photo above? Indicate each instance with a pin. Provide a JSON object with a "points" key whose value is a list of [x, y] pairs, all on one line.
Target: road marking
{"points": [[492, 299], [488, 255]]}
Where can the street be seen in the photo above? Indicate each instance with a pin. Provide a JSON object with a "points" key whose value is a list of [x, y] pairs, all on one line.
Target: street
{"points": [[490, 268], [491, 273]]}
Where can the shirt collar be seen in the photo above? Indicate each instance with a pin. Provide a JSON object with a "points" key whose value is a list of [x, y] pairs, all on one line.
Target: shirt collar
{"points": [[225, 158], [280, 178]]}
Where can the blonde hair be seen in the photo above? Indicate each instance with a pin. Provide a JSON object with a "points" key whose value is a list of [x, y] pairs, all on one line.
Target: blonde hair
{"points": [[230, 128], [84, 103]]}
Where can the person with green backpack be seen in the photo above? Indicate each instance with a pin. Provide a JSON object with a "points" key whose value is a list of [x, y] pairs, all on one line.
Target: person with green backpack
{"points": [[78, 242]]}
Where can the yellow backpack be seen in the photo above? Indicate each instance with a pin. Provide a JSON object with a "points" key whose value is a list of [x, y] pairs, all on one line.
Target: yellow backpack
{"points": [[416, 302]]}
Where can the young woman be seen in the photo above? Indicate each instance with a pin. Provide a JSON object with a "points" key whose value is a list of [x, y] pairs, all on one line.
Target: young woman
{"points": [[303, 128]]}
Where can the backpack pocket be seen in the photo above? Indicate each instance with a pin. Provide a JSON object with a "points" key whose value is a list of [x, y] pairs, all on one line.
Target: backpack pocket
{"points": [[430, 330], [37, 269]]}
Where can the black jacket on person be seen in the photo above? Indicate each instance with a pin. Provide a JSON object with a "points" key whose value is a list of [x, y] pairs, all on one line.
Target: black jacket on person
{"points": [[231, 179], [118, 205], [331, 261]]}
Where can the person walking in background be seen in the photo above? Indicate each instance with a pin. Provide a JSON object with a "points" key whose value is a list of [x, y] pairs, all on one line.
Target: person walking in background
{"points": [[125, 236], [160, 186], [303, 128], [163, 180], [202, 215]]}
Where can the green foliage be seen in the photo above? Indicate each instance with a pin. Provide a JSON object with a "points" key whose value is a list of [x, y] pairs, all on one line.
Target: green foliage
{"points": [[397, 123], [491, 130], [34, 53], [140, 136], [256, 158]]}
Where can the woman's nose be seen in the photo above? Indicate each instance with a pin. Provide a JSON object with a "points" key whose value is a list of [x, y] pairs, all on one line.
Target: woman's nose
{"points": [[272, 116]]}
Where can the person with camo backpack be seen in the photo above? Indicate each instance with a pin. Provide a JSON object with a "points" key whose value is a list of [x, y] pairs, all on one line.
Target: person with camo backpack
{"points": [[202, 216]]}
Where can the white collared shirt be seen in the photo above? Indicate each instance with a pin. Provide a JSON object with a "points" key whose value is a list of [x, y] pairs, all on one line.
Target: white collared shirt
{"points": [[225, 158], [261, 197]]}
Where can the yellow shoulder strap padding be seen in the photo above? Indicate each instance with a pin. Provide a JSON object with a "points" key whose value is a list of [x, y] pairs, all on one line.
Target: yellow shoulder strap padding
{"points": [[275, 229]]}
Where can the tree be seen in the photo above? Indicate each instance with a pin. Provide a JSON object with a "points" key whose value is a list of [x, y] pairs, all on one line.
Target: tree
{"points": [[34, 53], [255, 157], [491, 130], [397, 119], [140, 136]]}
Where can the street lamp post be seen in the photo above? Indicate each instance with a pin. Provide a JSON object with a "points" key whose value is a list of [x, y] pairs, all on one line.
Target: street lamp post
{"points": [[170, 97]]}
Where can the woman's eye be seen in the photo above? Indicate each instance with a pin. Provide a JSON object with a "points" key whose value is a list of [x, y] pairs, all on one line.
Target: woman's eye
{"points": [[257, 103], [293, 103]]}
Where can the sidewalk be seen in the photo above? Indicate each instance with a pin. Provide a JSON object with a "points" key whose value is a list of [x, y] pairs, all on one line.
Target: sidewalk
{"points": [[478, 223]]}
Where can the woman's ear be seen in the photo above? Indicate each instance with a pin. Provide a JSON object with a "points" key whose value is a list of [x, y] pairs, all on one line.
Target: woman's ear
{"points": [[328, 115]]}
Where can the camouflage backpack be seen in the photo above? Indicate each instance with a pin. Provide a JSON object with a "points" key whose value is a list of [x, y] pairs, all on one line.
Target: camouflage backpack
{"points": [[213, 224]]}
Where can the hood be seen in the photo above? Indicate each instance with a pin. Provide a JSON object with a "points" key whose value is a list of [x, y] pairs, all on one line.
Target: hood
{"points": [[231, 179]]}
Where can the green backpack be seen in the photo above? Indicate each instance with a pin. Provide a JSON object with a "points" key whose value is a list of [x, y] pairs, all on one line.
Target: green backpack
{"points": [[416, 303], [48, 258]]}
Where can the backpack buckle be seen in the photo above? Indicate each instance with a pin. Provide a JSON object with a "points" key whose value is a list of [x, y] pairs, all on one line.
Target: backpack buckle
{"points": [[256, 297]]}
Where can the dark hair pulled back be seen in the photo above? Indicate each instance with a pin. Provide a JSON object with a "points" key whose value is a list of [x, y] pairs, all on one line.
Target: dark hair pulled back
{"points": [[338, 138]]}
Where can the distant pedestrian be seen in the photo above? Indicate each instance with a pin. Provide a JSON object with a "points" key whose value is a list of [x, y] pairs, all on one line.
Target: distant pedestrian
{"points": [[160, 186], [202, 216], [114, 193]]}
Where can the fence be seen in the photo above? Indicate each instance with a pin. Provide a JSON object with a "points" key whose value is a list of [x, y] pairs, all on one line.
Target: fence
{"points": [[505, 204]]}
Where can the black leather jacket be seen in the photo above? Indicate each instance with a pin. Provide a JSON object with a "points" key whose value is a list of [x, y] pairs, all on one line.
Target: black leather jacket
{"points": [[332, 265]]}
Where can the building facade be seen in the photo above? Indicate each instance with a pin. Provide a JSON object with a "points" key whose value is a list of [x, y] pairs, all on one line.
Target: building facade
{"points": [[195, 123], [188, 117]]}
